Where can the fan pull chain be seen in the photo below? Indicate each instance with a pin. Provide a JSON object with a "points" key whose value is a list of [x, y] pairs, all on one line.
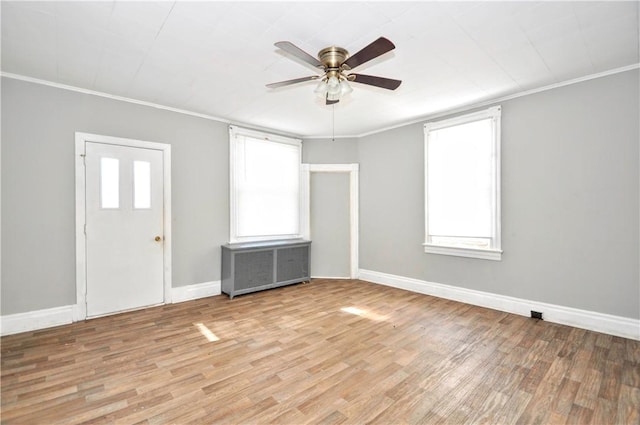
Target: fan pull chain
{"points": [[333, 122]]}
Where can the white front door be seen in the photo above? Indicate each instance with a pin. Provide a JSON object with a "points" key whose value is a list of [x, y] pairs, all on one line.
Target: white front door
{"points": [[124, 228]]}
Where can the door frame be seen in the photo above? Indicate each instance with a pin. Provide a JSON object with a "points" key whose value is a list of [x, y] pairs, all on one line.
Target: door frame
{"points": [[81, 139], [353, 170]]}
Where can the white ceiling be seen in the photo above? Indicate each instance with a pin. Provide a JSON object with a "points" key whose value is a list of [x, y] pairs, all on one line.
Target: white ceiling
{"points": [[214, 58]]}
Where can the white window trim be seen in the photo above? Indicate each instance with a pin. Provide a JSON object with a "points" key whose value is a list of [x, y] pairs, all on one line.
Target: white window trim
{"points": [[495, 253], [233, 208]]}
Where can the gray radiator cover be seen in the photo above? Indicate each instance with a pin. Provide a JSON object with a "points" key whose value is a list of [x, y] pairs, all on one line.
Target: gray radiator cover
{"points": [[255, 266]]}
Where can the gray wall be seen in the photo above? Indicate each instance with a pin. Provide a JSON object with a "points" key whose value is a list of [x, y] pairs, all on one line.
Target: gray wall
{"points": [[570, 192], [38, 188], [330, 224], [570, 209], [327, 151]]}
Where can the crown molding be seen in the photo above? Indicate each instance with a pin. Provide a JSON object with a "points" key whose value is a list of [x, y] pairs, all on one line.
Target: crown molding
{"points": [[140, 102], [458, 109], [110, 96], [492, 101]]}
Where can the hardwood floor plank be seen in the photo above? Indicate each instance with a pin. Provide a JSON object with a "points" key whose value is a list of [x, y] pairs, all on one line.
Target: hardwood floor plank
{"points": [[563, 402], [605, 412], [512, 410], [487, 413], [327, 352], [588, 392], [628, 411], [611, 381]]}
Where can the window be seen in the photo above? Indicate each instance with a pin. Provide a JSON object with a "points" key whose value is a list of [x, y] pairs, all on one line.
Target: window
{"points": [[109, 183], [265, 186], [462, 186], [141, 184]]}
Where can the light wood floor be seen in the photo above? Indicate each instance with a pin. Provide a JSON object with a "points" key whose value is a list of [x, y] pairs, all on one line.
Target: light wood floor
{"points": [[326, 352]]}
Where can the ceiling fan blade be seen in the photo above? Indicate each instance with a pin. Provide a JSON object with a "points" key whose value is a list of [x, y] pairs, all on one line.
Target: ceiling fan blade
{"points": [[299, 53], [372, 51], [372, 80], [290, 82]]}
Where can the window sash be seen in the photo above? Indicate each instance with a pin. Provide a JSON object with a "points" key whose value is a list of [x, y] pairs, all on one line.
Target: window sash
{"points": [[265, 186], [464, 236]]}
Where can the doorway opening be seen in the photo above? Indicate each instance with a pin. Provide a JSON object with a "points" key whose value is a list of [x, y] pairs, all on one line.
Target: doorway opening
{"points": [[352, 170]]}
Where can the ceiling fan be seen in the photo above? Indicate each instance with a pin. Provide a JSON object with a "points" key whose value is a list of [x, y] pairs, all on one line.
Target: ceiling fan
{"points": [[335, 63]]}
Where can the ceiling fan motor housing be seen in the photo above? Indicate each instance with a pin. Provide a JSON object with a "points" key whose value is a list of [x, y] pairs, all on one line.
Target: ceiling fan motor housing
{"points": [[332, 57]]}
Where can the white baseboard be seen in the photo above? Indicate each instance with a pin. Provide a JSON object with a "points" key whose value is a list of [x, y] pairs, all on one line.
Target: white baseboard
{"points": [[594, 321], [599, 322], [50, 317], [195, 291], [330, 277], [35, 320]]}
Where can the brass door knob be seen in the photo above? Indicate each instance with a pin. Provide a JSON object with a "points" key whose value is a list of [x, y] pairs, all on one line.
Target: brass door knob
{"points": [[158, 238]]}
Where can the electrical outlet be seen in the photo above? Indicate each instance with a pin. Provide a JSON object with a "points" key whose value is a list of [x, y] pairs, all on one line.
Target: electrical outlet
{"points": [[536, 315]]}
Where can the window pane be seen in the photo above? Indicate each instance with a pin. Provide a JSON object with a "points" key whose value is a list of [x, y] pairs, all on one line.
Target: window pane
{"points": [[109, 183], [141, 184], [460, 175], [267, 182]]}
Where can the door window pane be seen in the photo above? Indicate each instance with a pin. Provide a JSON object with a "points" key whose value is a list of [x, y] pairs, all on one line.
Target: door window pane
{"points": [[141, 184], [109, 183]]}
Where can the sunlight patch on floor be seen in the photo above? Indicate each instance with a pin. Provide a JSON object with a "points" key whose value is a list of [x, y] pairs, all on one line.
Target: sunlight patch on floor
{"points": [[363, 313], [206, 332]]}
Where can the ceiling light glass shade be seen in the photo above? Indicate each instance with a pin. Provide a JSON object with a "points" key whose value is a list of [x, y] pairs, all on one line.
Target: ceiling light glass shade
{"points": [[333, 86], [345, 88], [321, 89]]}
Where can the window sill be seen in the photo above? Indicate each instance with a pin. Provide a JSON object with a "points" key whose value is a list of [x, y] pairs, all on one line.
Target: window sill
{"points": [[484, 254], [252, 239]]}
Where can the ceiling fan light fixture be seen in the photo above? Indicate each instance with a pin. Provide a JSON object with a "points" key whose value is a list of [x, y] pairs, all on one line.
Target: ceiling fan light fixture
{"points": [[334, 62]]}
